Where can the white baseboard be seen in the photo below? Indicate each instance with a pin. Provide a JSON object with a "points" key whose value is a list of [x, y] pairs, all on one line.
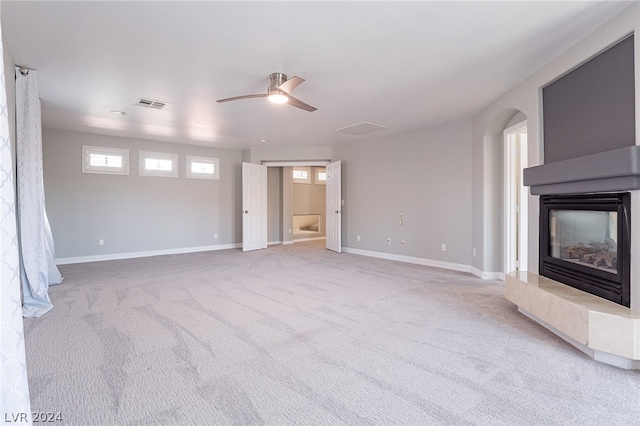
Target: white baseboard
{"points": [[299, 240], [133, 255], [487, 275], [427, 262], [409, 259], [389, 256]]}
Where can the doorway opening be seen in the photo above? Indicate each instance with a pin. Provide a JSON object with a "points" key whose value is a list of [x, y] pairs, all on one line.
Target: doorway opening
{"points": [[515, 242], [309, 200], [278, 189]]}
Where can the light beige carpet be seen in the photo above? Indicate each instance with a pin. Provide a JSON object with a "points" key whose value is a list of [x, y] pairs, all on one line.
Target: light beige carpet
{"points": [[300, 335]]}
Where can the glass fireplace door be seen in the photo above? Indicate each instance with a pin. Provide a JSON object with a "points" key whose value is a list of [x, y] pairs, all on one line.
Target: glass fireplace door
{"points": [[589, 238]]}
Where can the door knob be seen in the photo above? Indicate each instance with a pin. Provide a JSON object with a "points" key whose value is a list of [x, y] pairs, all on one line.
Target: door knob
{"points": [[246, 211]]}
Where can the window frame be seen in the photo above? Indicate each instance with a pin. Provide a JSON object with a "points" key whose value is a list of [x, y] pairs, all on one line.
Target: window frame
{"points": [[206, 160], [148, 155], [87, 167], [307, 180], [317, 175]]}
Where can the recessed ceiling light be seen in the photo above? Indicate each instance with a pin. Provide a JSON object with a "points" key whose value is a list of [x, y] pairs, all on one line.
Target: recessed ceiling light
{"points": [[263, 140], [118, 112]]}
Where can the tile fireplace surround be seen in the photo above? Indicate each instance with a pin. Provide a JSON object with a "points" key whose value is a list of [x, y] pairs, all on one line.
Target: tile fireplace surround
{"points": [[604, 330]]}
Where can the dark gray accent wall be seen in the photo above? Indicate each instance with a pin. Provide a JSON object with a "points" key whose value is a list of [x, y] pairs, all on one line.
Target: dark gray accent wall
{"points": [[135, 213], [592, 108]]}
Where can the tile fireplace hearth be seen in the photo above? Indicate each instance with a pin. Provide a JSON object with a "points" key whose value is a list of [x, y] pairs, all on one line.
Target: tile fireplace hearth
{"points": [[606, 331]]}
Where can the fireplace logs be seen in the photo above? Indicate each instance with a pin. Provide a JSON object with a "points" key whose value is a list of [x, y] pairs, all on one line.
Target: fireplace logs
{"points": [[595, 253]]}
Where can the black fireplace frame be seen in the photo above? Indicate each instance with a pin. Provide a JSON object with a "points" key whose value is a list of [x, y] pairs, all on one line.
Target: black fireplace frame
{"points": [[615, 287]]}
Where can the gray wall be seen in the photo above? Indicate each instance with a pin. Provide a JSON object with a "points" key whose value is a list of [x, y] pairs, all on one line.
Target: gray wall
{"points": [[9, 75], [137, 213], [287, 204], [424, 175], [274, 204]]}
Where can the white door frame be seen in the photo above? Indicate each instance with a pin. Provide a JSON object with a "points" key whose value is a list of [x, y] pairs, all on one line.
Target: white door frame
{"points": [[511, 175], [295, 163]]}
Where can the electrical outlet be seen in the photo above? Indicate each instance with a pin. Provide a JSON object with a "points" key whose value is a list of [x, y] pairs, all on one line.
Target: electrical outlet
{"points": [[388, 240], [358, 237], [444, 247], [473, 252], [215, 235], [402, 243], [289, 230], [101, 242]]}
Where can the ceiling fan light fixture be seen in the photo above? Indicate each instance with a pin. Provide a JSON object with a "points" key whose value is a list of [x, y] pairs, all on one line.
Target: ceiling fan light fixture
{"points": [[278, 98]]}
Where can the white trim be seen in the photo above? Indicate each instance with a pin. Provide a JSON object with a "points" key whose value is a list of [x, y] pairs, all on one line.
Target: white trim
{"points": [[428, 262], [87, 150], [307, 180], [409, 259], [147, 155], [509, 239], [299, 240], [486, 275], [301, 163], [206, 160], [316, 175], [273, 243], [137, 254], [284, 243]]}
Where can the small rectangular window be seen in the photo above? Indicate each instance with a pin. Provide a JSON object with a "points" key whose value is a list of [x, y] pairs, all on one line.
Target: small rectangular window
{"points": [[203, 167], [301, 175], [158, 164], [321, 176], [112, 161]]}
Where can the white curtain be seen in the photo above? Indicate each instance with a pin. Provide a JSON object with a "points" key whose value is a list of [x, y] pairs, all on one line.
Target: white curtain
{"points": [[39, 270], [15, 405]]}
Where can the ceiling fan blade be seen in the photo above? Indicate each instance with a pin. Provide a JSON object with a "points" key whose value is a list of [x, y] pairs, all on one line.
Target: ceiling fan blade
{"points": [[299, 104], [291, 84], [235, 98]]}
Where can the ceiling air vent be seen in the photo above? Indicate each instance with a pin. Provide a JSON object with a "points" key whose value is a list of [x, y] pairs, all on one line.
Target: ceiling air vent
{"points": [[150, 103], [361, 128]]}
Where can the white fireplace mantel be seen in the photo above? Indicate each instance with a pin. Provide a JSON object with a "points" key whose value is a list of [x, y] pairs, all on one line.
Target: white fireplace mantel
{"points": [[604, 330]]}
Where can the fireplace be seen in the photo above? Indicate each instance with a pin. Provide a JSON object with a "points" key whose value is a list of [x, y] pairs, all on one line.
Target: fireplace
{"points": [[585, 243]]}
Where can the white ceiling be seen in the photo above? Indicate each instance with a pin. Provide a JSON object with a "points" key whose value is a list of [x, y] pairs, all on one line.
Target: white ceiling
{"points": [[403, 65]]}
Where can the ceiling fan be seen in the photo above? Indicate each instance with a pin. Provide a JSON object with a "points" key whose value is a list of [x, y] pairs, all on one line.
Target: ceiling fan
{"points": [[279, 92]]}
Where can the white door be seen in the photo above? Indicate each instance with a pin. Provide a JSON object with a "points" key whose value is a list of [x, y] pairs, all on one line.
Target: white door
{"points": [[254, 206], [334, 207]]}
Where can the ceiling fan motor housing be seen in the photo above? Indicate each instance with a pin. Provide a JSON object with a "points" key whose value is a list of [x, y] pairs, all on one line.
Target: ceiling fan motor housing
{"points": [[277, 78]]}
